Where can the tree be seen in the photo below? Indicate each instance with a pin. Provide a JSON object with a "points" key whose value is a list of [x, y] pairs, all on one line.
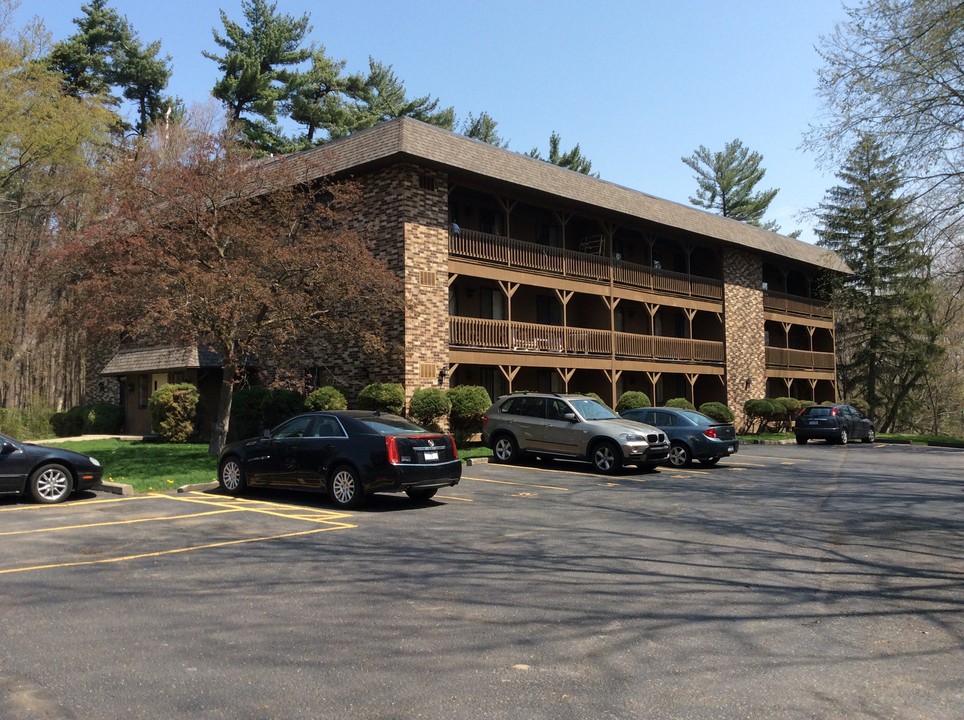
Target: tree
{"points": [[573, 160], [886, 337], [382, 96], [46, 140], [893, 69], [258, 66], [105, 56], [483, 128], [198, 244], [319, 96], [726, 182]]}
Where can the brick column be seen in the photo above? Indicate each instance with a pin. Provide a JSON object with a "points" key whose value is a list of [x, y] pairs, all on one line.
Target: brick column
{"points": [[744, 330]]}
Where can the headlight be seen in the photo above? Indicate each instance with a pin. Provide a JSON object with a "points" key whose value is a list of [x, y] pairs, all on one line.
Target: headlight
{"points": [[632, 437], [94, 461]]}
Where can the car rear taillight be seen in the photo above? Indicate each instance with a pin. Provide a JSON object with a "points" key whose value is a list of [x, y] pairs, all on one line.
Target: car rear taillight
{"points": [[710, 433], [455, 450], [391, 445], [833, 411]]}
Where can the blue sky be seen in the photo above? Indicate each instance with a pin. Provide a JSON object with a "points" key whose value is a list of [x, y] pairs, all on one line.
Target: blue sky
{"points": [[638, 84]]}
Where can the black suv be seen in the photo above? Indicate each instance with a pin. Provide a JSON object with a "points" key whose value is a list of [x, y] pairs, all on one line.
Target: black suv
{"points": [[833, 423], [570, 426]]}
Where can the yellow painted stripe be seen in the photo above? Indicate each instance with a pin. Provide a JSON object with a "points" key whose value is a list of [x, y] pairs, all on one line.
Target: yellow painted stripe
{"points": [[176, 551], [159, 518], [507, 482]]}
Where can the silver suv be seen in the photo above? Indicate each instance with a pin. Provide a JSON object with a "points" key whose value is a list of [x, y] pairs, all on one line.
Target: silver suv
{"points": [[570, 426]]}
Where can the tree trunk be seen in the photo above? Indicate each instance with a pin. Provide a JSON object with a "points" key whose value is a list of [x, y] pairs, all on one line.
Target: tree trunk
{"points": [[219, 431]]}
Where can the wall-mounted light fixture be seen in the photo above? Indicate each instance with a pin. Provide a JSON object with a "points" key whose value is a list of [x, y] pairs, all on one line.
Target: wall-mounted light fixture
{"points": [[746, 384], [442, 374]]}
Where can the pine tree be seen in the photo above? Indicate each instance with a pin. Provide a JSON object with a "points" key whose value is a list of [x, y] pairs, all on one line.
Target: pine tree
{"points": [[886, 338], [572, 160], [726, 182]]}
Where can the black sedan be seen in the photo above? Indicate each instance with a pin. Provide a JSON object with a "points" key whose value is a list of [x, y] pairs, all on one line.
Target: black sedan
{"points": [[692, 435], [48, 474], [833, 423], [349, 454]]}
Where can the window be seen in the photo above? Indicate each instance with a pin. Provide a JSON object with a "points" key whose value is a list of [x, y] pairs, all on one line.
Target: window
{"points": [[491, 304], [142, 391]]}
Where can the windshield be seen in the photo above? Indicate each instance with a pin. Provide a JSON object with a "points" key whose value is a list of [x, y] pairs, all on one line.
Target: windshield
{"points": [[591, 409]]}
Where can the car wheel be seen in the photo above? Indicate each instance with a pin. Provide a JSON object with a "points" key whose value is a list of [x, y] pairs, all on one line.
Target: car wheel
{"points": [[801, 440], [51, 484], [231, 476], [505, 449], [606, 457], [842, 439], [710, 460], [421, 494], [680, 456], [871, 436], [344, 488]]}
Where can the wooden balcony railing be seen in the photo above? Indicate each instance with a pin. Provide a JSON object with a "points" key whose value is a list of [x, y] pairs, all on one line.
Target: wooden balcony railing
{"points": [[786, 359], [533, 337], [791, 305], [579, 265]]}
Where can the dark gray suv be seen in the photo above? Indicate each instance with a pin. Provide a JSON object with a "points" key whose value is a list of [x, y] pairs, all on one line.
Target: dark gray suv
{"points": [[570, 426]]}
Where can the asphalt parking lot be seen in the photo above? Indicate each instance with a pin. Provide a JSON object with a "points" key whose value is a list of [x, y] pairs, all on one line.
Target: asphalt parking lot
{"points": [[786, 582]]}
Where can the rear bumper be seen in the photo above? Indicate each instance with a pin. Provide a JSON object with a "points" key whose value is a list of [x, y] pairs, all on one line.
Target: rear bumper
{"points": [[403, 477], [817, 433]]}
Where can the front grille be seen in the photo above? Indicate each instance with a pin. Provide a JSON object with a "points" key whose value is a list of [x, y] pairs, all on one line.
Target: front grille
{"points": [[655, 438]]}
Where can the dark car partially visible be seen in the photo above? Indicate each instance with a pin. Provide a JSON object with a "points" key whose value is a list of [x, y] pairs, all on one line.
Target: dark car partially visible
{"points": [[692, 435], [833, 423], [348, 454], [47, 474]]}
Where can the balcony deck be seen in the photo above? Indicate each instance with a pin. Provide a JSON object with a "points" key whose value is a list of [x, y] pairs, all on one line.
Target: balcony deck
{"points": [[502, 335], [536, 258]]}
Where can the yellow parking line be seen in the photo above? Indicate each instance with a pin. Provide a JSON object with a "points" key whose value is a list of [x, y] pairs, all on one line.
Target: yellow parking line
{"points": [[74, 504], [176, 551], [158, 518], [508, 482]]}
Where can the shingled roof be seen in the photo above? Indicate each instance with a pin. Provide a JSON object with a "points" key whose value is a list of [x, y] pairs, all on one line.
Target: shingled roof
{"points": [[128, 362], [408, 139]]}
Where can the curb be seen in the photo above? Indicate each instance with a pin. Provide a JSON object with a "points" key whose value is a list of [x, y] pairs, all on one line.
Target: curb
{"points": [[476, 461], [200, 487], [115, 488]]}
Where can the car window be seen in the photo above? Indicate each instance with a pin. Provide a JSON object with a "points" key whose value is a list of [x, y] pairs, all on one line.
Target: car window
{"points": [[328, 427], [664, 419], [557, 410], [294, 428], [532, 407], [391, 426], [817, 411]]}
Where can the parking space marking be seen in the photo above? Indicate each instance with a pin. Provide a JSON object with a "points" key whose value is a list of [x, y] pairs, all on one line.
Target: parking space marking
{"points": [[327, 519], [509, 482]]}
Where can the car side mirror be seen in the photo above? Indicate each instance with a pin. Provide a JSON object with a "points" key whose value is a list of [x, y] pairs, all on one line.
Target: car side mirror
{"points": [[7, 448], [571, 417], [266, 434]]}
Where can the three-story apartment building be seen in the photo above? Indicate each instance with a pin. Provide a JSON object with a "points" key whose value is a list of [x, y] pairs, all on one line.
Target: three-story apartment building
{"points": [[519, 274]]}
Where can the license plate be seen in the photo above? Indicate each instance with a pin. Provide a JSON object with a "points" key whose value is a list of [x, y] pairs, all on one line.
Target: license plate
{"points": [[431, 456], [814, 422]]}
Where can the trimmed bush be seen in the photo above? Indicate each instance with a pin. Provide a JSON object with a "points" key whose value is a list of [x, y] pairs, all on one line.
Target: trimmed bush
{"points": [[384, 397], [469, 403], [787, 409], [103, 419], [632, 399], [326, 398], [428, 405], [70, 423], [246, 418], [173, 409], [758, 411], [717, 411], [279, 404], [681, 403]]}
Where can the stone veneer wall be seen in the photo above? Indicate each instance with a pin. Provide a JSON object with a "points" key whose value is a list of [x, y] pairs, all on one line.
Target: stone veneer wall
{"points": [[744, 330], [405, 208]]}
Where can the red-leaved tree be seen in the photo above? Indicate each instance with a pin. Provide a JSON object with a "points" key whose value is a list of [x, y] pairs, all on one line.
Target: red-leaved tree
{"points": [[195, 242]]}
